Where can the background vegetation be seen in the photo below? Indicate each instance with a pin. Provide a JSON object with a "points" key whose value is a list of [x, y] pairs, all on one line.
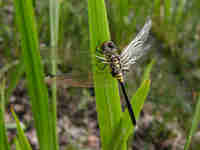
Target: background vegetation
{"points": [[168, 112]]}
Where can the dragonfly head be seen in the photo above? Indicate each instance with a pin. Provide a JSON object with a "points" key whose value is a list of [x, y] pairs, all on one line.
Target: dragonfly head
{"points": [[109, 47]]}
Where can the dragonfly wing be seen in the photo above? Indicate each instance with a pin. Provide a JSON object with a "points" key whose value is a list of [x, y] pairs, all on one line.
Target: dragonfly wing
{"points": [[64, 55], [136, 48], [71, 80], [74, 66]]}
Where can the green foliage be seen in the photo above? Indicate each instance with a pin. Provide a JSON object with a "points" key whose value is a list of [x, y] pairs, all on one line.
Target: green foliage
{"points": [[125, 128], [194, 127], [15, 69], [17, 145], [14, 77], [54, 26], [175, 29], [22, 143], [34, 72], [107, 97], [109, 112], [3, 136], [146, 75]]}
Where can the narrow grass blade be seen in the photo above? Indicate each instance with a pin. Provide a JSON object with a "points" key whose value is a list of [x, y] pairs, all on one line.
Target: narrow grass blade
{"points": [[4, 145], [106, 87], [7, 67], [14, 77], [120, 12], [125, 127], [23, 141], [17, 145], [195, 124], [168, 13], [180, 12], [54, 26], [146, 75], [34, 71], [156, 13]]}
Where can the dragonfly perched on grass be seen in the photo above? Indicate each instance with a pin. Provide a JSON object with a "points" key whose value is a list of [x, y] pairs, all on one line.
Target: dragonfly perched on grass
{"points": [[119, 62]]}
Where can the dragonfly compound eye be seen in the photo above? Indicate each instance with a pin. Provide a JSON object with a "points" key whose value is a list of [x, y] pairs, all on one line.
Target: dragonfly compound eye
{"points": [[109, 47]]}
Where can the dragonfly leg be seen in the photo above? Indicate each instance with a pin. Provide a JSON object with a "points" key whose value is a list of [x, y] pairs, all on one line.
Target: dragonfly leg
{"points": [[99, 51], [51, 75], [101, 59]]}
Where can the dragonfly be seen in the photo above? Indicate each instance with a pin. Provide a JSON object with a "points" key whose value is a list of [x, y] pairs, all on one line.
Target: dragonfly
{"points": [[119, 62]]}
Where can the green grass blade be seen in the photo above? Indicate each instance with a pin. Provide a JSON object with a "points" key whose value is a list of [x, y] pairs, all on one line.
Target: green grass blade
{"points": [[54, 26], [120, 12], [7, 67], [157, 5], [106, 87], [34, 71], [13, 75], [146, 75], [17, 145], [180, 12], [125, 128], [23, 141], [139, 97], [3, 136], [14, 78], [168, 13], [195, 124]]}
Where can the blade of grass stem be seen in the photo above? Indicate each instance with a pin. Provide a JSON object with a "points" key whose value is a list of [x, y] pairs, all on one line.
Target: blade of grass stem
{"points": [[146, 75], [3, 136], [120, 13], [14, 78], [23, 142], [125, 127], [167, 5], [180, 12], [157, 5], [195, 123], [106, 87], [34, 71], [7, 67], [17, 146], [54, 26]]}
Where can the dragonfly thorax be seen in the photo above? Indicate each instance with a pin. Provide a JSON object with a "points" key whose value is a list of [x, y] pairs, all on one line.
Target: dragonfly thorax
{"points": [[111, 53], [116, 67]]}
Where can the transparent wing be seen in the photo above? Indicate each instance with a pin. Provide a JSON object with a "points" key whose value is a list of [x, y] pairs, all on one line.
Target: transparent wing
{"points": [[136, 48], [73, 67]]}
